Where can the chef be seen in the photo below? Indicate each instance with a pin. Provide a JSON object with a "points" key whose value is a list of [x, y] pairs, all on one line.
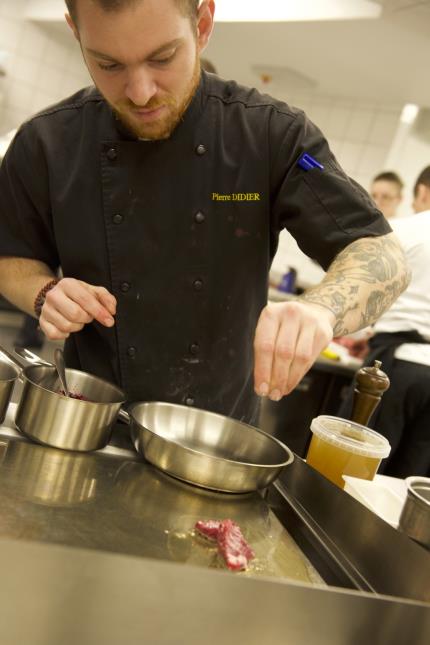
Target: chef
{"points": [[161, 192]]}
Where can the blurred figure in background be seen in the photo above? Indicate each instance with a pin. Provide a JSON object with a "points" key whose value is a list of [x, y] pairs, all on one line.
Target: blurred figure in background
{"points": [[386, 191], [402, 342]]}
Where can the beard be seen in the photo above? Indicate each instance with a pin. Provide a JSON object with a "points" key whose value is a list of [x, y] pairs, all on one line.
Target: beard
{"points": [[173, 111]]}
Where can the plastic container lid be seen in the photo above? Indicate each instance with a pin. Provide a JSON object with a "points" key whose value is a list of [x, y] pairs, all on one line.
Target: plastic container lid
{"points": [[350, 436]]}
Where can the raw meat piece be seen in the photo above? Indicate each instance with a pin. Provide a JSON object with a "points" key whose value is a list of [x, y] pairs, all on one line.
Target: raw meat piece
{"points": [[233, 546], [208, 528], [231, 543]]}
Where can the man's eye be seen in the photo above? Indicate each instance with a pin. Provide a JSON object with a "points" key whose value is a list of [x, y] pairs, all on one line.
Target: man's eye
{"points": [[165, 60], [109, 67]]}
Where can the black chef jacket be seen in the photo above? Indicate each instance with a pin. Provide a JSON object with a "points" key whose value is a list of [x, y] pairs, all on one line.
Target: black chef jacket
{"points": [[181, 231]]}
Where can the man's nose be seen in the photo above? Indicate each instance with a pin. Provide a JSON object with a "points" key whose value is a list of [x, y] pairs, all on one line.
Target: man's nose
{"points": [[141, 86]]}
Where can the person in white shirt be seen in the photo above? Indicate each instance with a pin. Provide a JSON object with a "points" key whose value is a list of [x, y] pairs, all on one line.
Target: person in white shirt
{"points": [[402, 342]]}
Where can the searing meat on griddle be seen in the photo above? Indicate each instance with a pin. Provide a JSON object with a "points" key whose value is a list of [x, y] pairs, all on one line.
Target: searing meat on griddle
{"points": [[231, 544]]}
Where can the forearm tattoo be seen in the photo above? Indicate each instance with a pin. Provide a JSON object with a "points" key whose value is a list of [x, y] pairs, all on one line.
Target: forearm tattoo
{"points": [[362, 283]]}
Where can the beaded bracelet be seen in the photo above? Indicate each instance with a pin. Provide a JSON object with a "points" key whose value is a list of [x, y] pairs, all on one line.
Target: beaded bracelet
{"points": [[41, 296]]}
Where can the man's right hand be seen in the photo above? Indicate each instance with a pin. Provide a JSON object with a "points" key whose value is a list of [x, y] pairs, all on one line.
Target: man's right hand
{"points": [[72, 304]]}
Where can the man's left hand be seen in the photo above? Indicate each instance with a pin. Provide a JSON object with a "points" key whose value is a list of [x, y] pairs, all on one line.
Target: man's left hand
{"points": [[288, 339]]}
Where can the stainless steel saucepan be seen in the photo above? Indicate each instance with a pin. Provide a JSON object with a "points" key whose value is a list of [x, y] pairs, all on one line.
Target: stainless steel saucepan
{"points": [[207, 449], [8, 375], [49, 417]]}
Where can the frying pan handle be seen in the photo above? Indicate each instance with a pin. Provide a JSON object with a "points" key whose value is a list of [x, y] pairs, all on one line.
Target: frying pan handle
{"points": [[124, 416]]}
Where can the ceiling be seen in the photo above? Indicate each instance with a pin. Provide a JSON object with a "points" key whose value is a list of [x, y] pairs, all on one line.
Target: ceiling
{"points": [[384, 59]]}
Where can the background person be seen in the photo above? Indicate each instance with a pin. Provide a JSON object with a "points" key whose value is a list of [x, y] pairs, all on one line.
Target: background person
{"points": [[162, 194], [386, 191], [402, 342]]}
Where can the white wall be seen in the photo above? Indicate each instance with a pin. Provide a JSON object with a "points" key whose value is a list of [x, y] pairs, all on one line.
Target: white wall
{"points": [[410, 154], [44, 65]]}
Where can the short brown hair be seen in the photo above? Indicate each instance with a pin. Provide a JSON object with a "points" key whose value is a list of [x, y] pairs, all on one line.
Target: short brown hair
{"points": [[423, 178], [188, 7], [391, 176]]}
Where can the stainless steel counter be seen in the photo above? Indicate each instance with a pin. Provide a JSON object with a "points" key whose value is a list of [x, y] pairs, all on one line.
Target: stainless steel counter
{"points": [[53, 595], [140, 574], [107, 502]]}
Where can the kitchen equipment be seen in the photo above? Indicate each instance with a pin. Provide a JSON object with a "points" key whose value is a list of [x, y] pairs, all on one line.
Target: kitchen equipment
{"points": [[8, 375], [415, 516], [205, 448], [61, 369], [341, 447], [371, 383], [50, 418]]}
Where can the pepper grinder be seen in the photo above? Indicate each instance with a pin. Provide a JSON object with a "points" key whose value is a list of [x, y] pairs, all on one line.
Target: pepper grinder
{"points": [[371, 383]]}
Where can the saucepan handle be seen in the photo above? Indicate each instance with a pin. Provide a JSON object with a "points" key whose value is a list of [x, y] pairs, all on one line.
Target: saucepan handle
{"points": [[124, 416], [30, 357], [10, 358]]}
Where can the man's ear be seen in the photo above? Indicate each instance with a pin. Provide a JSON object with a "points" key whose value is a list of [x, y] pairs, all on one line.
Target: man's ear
{"points": [[72, 26], [205, 23]]}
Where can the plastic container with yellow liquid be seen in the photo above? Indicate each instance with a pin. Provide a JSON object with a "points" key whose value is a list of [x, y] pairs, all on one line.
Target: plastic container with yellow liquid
{"points": [[340, 447]]}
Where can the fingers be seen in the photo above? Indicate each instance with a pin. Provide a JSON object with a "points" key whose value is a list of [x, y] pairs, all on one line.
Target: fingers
{"points": [[51, 331], [91, 300], [106, 299], [293, 355], [71, 304], [284, 354], [264, 348], [288, 339], [306, 352]]}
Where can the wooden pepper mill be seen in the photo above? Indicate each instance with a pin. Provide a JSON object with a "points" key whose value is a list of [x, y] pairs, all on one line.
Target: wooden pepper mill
{"points": [[371, 383]]}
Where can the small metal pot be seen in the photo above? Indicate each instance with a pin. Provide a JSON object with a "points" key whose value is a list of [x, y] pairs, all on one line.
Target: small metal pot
{"points": [[50, 418], [206, 449], [8, 375], [415, 516]]}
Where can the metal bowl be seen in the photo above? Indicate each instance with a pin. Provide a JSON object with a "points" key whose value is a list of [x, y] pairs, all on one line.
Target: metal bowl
{"points": [[207, 449], [415, 516]]}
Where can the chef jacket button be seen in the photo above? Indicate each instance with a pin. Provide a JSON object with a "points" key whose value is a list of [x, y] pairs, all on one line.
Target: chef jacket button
{"points": [[189, 400], [199, 217], [125, 286], [117, 218], [194, 348], [111, 154], [131, 351], [200, 150], [198, 285]]}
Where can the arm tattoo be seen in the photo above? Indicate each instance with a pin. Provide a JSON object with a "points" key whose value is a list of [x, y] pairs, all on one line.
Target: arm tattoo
{"points": [[362, 283]]}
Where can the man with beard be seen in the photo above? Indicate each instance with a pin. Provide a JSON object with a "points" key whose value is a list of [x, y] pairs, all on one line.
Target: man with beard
{"points": [[161, 192]]}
